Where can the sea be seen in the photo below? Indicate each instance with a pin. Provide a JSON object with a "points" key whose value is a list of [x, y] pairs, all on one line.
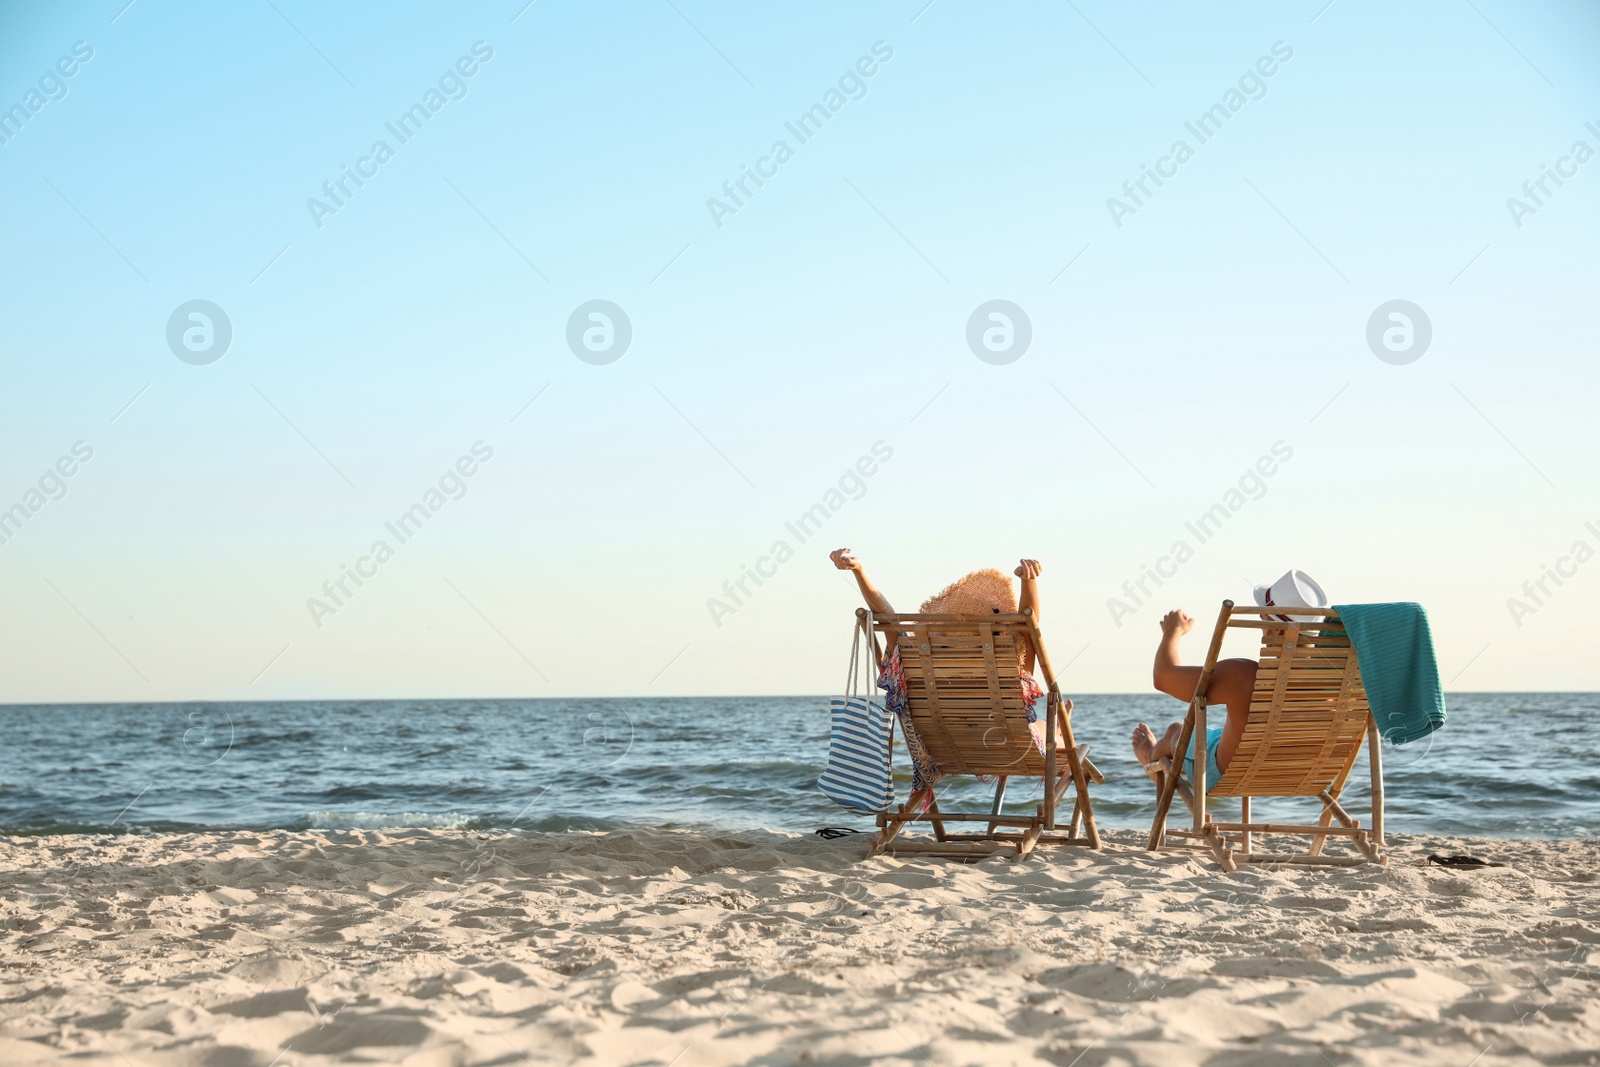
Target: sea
{"points": [[1503, 765]]}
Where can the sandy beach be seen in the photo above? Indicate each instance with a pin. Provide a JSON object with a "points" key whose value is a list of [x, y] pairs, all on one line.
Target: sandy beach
{"points": [[661, 947]]}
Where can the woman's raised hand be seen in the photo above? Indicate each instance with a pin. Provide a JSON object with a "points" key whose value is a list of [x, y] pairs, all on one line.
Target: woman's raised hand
{"points": [[1028, 570], [844, 560]]}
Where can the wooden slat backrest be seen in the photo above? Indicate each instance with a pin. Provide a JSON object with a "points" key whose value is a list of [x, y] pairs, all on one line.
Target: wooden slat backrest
{"points": [[964, 694], [1308, 714]]}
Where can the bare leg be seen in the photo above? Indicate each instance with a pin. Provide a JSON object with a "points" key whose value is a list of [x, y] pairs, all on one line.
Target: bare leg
{"points": [[1029, 570]]}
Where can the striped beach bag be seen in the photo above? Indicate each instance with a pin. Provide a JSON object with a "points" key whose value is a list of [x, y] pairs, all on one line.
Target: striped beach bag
{"points": [[859, 776]]}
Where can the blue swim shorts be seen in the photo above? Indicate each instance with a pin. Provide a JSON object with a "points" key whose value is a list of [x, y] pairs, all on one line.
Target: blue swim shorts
{"points": [[1213, 772]]}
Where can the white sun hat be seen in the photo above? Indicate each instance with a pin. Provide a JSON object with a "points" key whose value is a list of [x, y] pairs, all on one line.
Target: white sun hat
{"points": [[1297, 589]]}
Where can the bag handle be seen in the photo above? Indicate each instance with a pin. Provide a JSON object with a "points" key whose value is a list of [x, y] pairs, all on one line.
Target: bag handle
{"points": [[863, 664], [858, 665], [863, 629], [852, 680]]}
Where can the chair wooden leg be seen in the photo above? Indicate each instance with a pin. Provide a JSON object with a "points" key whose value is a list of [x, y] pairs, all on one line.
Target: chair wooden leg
{"points": [[999, 800], [1331, 810], [1158, 828], [1052, 798], [1180, 787], [1362, 839], [1331, 802], [1375, 755], [893, 824], [1321, 839], [1196, 706], [1219, 849], [1080, 778], [1081, 805], [1244, 817], [1187, 794], [1029, 839]]}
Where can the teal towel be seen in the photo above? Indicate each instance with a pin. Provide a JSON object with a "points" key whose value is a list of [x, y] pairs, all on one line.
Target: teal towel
{"points": [[1395, 647]]}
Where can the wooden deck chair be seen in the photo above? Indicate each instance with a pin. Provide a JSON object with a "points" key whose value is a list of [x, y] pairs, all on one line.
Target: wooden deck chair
{"points": [[964, 698], [1308, 717]]}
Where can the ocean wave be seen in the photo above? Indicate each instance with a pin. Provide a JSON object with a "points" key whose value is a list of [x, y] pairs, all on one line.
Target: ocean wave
{"points": [[396, 820]]}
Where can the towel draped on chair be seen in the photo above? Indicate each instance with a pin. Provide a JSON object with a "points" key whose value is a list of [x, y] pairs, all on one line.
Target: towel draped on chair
{"points": [[1395, 646]]}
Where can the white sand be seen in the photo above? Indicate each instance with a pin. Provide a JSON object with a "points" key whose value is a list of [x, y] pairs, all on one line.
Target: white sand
{"points": [[440, 948]]}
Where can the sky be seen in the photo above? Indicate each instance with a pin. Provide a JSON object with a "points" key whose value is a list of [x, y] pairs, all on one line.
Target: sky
{"points": [[605, 382]]}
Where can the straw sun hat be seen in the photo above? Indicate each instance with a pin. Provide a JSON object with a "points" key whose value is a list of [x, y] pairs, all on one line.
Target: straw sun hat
{"points": [[978, 593], [984, 592]]}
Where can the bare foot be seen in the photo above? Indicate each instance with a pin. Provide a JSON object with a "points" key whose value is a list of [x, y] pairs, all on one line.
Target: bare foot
{"points": [[1176, 623], [1167, 747], [1144, 743]]}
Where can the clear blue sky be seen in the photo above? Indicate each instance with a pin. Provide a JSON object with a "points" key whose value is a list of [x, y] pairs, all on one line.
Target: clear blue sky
{"points": [[829, 312]]}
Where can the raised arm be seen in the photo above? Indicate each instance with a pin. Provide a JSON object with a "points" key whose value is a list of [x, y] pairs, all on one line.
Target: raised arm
{"points": [[877, 603], [1029, 570]]}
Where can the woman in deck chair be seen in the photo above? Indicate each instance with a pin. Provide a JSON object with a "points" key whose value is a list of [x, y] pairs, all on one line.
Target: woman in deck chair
{"points": [[981, 592], [1232, 681]]}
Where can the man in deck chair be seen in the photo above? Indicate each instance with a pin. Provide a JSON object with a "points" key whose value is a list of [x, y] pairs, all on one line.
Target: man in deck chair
{"points": [[1232, 682]]}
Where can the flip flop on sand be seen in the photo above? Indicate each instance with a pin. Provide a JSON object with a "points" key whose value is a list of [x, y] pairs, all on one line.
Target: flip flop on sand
{"points": [[1462, 861], [831, 832]]}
